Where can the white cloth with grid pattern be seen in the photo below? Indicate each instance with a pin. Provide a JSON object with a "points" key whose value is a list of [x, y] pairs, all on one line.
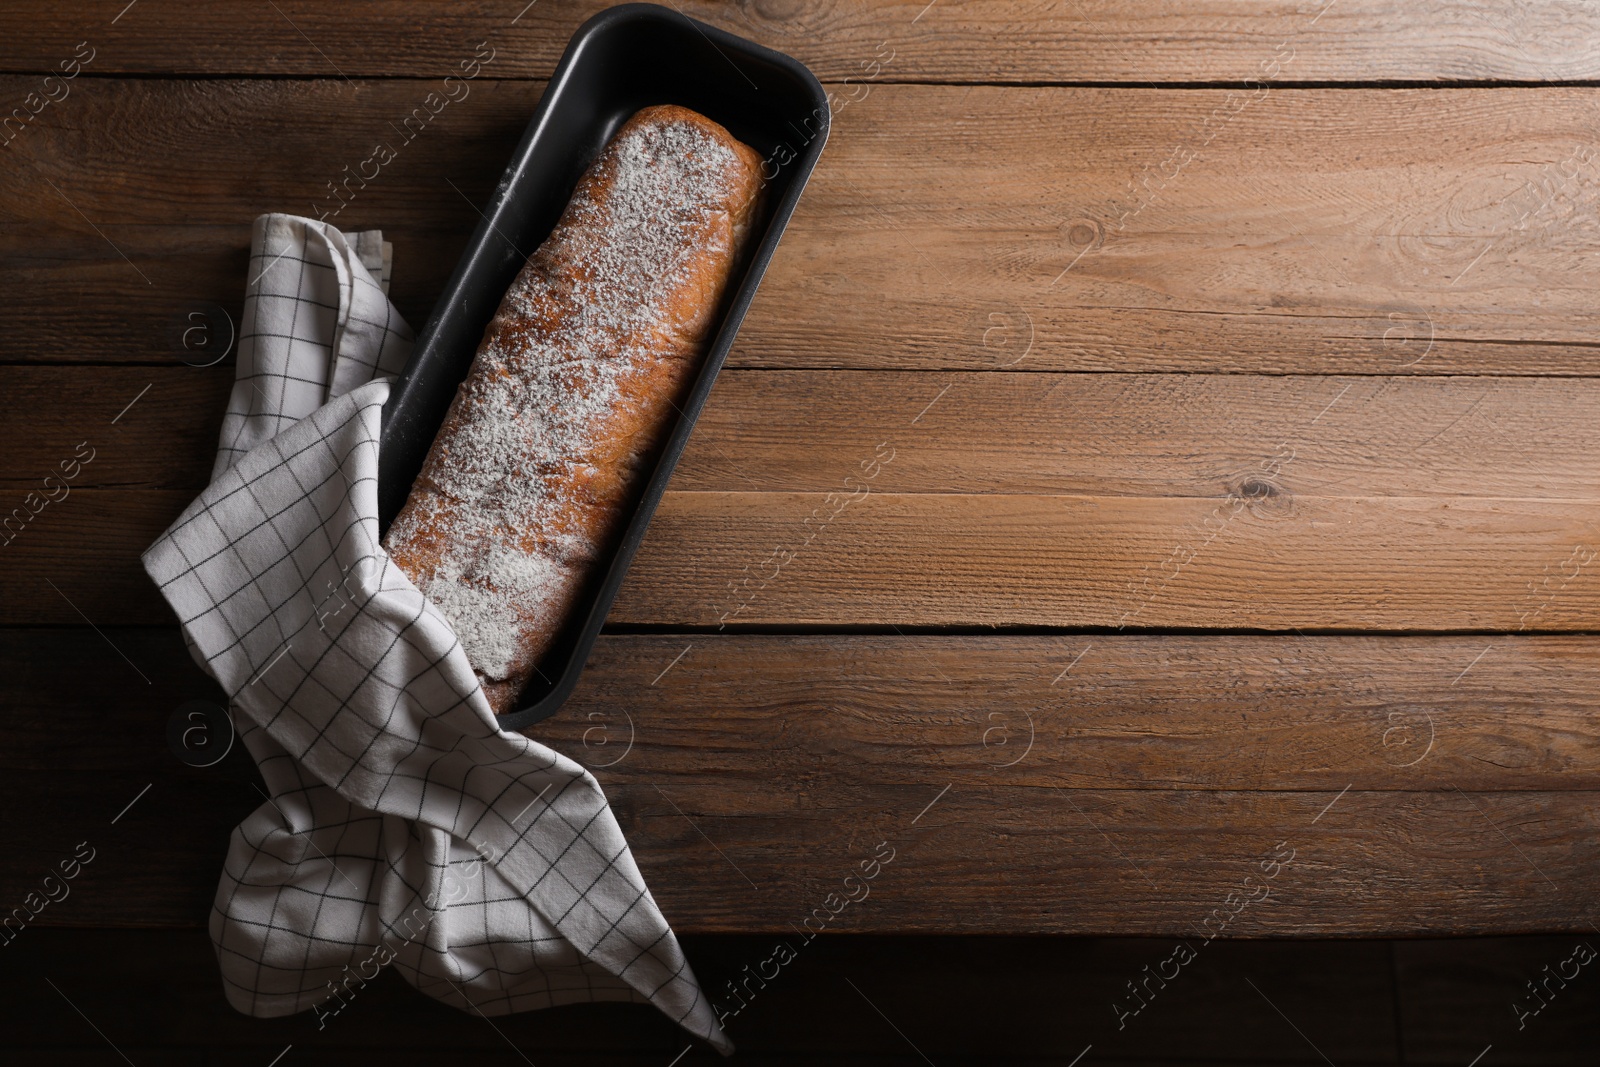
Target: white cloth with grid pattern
{"points": [[403, 826]]}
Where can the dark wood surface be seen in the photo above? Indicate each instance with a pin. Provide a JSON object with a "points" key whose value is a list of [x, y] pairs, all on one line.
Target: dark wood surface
{"points": [[969, 41], [1237, 365], [1270, 230], [1445, 786]]}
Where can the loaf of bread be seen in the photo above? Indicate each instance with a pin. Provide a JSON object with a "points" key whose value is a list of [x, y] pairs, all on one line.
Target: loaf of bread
{"points": [[574, 386]]}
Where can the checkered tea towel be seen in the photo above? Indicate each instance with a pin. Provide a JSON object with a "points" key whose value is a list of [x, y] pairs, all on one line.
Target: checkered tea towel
{"points": [[403, 826]]}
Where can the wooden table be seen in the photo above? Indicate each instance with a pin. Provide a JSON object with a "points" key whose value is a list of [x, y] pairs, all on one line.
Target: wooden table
{"points": [[1162, 454]]}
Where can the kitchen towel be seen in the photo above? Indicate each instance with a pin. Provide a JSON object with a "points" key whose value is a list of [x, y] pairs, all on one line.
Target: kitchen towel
{"points": [[399, 825]]}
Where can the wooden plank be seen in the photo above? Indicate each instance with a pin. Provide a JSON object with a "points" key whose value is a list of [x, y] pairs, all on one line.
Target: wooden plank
{"points": [[1018, 840], [1269, 560], [164, 437], [962, 432], [1137, 861], [77, 559], [1260, 557], [1292, 232], [1102, 711], [204, 158], [1146, 434], [1134, 711], [975, 40], [1297, 231], [1163, 770]]}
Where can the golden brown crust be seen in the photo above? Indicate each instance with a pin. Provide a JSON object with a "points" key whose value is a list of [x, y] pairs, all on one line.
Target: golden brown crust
{"points": [[572, 389]]}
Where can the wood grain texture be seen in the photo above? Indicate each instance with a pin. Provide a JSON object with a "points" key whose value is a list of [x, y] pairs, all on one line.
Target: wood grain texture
{"points": [[1340, 345], [1140, 712], [1162, 712], [1259, 559], [165, 435], [1292, 231], [1108, 860], [961, 432], [1285, 231], [797, 756], [77, 560], [969, 41]]}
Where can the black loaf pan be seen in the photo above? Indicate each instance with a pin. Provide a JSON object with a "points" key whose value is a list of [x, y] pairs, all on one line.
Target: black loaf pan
{"points": [[621, 60]]}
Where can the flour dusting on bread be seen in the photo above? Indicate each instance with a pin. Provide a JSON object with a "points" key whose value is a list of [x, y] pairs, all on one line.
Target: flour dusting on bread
{"points": [[574, 386]]}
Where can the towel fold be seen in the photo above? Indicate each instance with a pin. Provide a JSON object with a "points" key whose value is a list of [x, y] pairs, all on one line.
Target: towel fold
{"points": [[400, 824]]}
